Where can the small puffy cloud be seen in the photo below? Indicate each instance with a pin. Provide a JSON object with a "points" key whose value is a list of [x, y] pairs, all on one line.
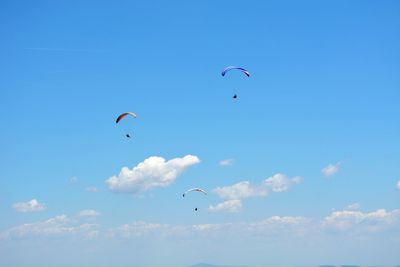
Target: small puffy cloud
{"points": [[30, 206], [226, 162], [370, 221], [88, 213], [354, 206], [233, 205], [151, 173], [331, 169], [240, 190], [280, 182], [92, 189], [398, 185]]}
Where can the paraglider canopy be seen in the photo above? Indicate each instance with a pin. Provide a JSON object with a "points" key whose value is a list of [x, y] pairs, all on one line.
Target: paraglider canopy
{"points": [[224, 71], [123, 115], [194, 190]]}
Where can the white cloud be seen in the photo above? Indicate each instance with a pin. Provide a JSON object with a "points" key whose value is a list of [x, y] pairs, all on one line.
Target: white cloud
{"points": [[270, 226], [152, 172], [354, 206], [233, 205], [206, 227], [279, 221], [137, 229], [88, 213], [226, 162], [92, 189], [30, 206], [54, 227], [280, 182], [331, 169], [276, 183], [287, 220], [62, 227], [370, 221], [398, 185], [240, 190]]}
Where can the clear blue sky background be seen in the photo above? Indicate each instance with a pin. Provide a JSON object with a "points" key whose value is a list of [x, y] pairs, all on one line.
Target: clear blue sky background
{"points": [[324, 89]]}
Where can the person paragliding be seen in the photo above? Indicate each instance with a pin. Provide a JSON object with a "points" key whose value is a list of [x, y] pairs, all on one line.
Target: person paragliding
{"points": [[227, 69], [194, 190], [123, 115]]}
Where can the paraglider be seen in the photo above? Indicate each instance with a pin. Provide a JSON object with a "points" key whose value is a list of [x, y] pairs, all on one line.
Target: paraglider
{"points": [[194, 190], [123, 115], [224, 71]]}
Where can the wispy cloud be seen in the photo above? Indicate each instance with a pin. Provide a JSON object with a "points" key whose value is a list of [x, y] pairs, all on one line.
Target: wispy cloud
{"points": [[398, 185], [226, 162], [354, 206], [240, 190], [270, 226], [361, 221], [88, 213], [151, 173], [73, 180], [92, 189], [138, 229], [331, 169], [233, 205], [345, 221], [29, 206], [58, 226]]}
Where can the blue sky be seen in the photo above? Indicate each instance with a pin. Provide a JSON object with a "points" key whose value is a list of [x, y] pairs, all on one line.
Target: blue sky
{"points": [[312, 138]]}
